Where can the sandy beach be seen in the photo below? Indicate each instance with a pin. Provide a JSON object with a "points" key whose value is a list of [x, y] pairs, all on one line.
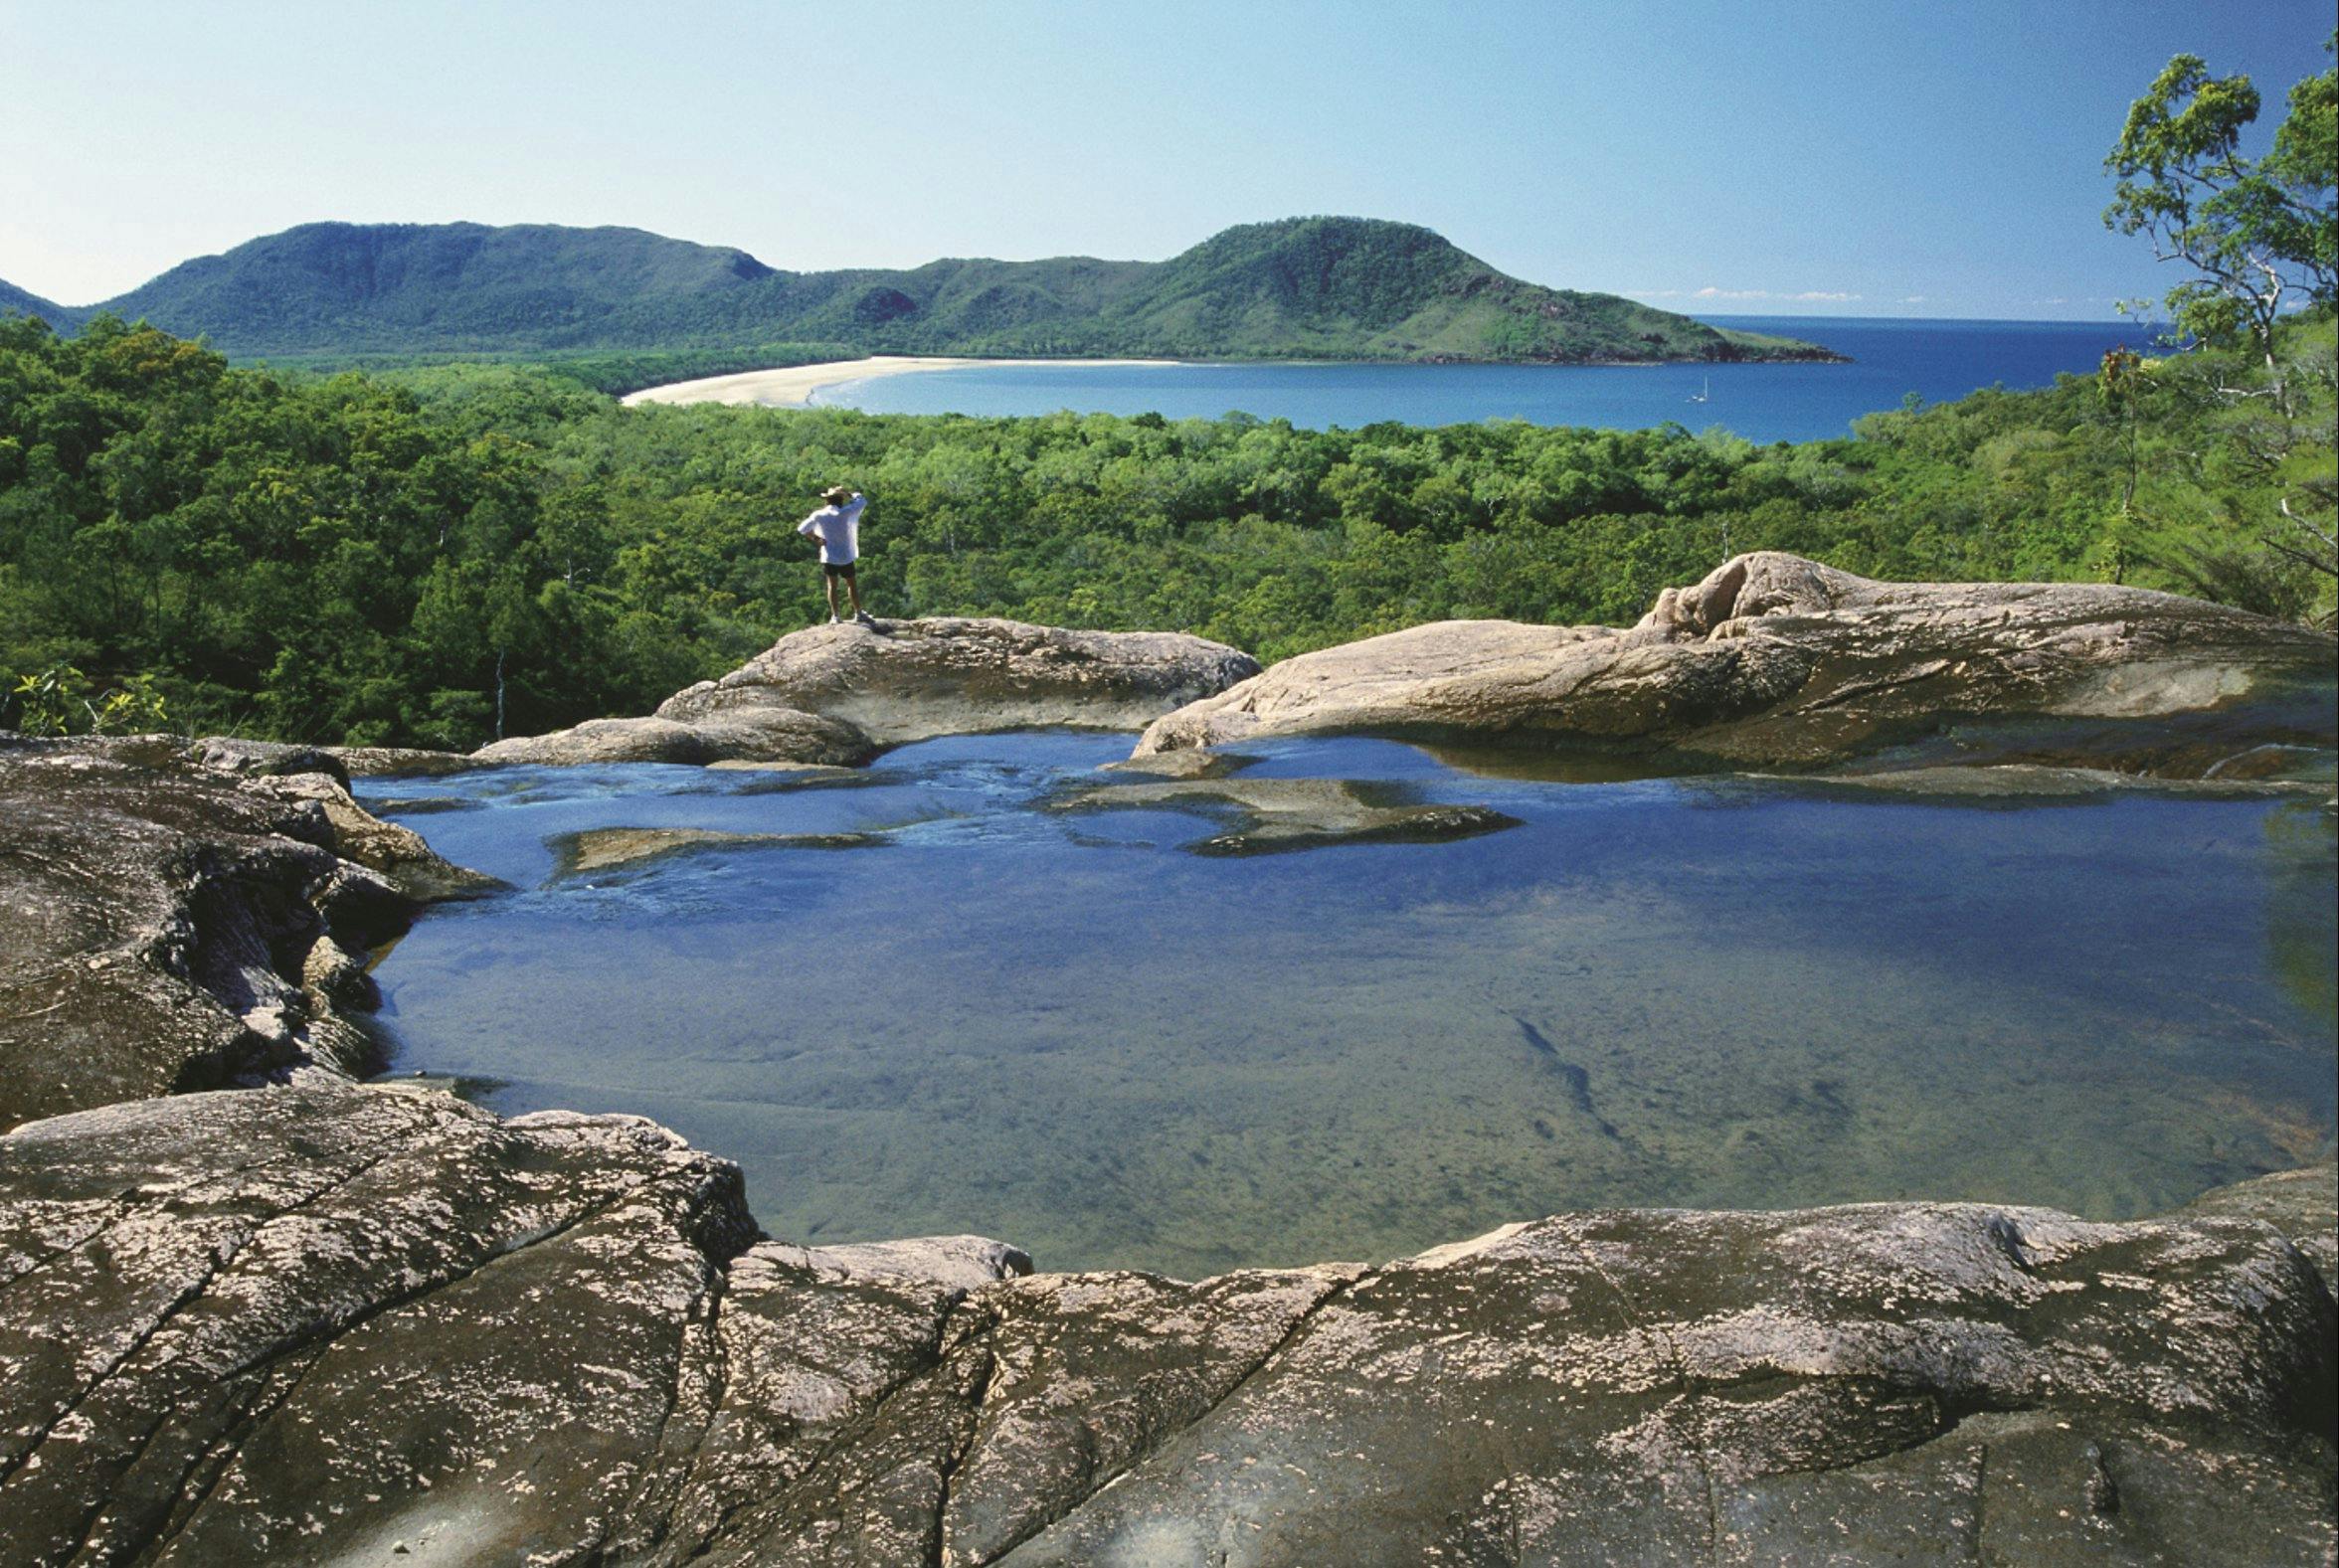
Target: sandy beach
{"points": [[793, 386]]}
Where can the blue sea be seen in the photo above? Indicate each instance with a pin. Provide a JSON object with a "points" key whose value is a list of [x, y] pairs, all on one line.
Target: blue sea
{"points": [[1936, 360]]}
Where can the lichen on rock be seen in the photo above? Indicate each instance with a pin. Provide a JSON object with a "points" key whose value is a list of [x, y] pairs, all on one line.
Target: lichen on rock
{"points": [[316, 1320]]}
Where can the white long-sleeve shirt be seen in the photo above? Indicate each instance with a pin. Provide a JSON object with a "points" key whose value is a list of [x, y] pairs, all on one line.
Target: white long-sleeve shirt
{"points": [[839, 528]]}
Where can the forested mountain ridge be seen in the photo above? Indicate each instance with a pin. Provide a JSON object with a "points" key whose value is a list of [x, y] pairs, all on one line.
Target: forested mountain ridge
{"points": [[1307, 287], [23, 303]]}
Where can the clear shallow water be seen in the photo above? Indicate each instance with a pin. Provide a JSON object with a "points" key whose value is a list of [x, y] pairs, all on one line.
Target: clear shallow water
{"points": [[1065, 1031], [1937, 360]]}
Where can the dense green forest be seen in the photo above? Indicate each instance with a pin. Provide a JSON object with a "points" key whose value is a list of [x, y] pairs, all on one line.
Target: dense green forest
{"points": [[373, 558], [1304, 288]]}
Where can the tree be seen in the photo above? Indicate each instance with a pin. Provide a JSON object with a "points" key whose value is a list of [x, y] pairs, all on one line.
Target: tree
{"points": [[2262, 238], [2258, 234]]}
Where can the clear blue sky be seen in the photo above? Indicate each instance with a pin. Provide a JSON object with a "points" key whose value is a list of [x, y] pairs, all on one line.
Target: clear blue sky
{"points": [[1796, 158]]}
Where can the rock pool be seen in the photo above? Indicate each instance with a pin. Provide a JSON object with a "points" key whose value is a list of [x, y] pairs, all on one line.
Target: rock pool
{"points": [[918, 999]]}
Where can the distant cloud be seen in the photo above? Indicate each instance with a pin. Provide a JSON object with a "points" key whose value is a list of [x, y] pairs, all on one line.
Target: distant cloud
{"points": [[1913, 299], [1710, 291]]}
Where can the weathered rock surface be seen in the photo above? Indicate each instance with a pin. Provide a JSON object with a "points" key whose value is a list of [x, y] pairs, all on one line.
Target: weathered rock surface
{"points": [[1274, 816], [399, 762], [2025, 781], [321, 773], [608, 848], [165, 925], [1182, 765], [764, 734], [291, 1324], [1780, 662], [267, 759], [909, 680], [2303, 1204], [322, 1323], [399, 853]]}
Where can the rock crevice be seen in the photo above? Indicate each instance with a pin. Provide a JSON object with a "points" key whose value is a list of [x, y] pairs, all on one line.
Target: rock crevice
{"points": [[556, 1338]]}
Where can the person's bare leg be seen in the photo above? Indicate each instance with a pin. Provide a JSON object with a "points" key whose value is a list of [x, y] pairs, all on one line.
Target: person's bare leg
{"points": [[852, 584], [831, 586]]}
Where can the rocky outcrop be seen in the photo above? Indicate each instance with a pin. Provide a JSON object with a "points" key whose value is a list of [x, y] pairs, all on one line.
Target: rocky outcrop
{"points": [[399, 762], [833, 696], [2032, 782], [1273, 815], [229, 754], [286, 1325], [764, 734], [2303, 1204], [165, 925], [329, 1322], [611, 848], [318, 1320], [399, 853], [1776, 661], [908, 681]]}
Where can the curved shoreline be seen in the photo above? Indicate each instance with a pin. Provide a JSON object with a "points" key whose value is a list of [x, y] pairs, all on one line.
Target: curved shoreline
{"points": [[793, 386], [798, 385]]}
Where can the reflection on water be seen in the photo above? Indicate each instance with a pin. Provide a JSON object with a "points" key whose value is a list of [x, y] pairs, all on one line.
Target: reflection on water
{"points": [[1063, 1031], [2302, 861]]}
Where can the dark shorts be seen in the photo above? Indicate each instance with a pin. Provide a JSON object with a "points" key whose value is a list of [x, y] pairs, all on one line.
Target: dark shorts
{"points": [[839, 568]]}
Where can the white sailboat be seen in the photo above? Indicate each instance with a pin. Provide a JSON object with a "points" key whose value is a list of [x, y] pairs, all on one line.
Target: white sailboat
{"points": [[1706, 395]]}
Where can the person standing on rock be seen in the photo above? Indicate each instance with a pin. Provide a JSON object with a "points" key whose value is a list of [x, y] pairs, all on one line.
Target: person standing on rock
{"points": [[837, 526]]}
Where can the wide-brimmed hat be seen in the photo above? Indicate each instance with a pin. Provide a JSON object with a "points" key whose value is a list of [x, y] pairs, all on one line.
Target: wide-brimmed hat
{"points": [[836, 495]]}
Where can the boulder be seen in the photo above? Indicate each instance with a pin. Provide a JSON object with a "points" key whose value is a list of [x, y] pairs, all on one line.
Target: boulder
{"points": [[161, 923], [909, 680], [334, 1323], [765, 734], [320, 774], [324, 1322], [1776, 661]]}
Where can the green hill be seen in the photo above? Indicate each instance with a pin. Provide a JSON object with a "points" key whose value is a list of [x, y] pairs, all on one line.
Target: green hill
{"points": [[15, 301], [397, 286], [1306, 287], [1385, 290]]}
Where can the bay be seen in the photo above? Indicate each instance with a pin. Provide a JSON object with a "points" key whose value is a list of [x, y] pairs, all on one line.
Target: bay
{"points": [[1937, 360]]}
